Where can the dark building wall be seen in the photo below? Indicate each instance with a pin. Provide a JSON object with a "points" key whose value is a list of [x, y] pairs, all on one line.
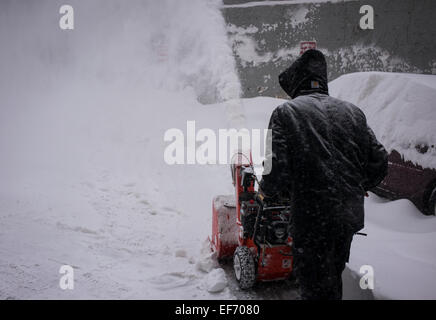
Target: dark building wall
{"points": [[266, 38]]}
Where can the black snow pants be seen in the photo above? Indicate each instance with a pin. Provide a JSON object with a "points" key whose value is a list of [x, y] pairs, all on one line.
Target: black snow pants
{"points": [[319, 259]]}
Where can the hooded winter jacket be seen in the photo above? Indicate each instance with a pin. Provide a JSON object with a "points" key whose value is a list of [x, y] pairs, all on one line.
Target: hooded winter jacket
{"points": [[323, 154]]}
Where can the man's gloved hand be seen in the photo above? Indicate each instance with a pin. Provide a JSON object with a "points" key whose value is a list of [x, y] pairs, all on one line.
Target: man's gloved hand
{"points": [[262, 198]]}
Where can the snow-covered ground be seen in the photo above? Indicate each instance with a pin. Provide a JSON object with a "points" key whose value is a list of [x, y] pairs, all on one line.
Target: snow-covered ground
{"points": [[399, 247], [83, 181]]}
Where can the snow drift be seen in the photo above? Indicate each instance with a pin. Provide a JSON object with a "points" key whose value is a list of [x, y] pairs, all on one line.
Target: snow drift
{"points": [[400, 108], [400, 249]]}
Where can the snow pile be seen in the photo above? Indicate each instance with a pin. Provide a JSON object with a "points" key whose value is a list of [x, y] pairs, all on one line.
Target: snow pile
{"points": [[207, 260], [399, 107], [400, 249], [216, 280]]}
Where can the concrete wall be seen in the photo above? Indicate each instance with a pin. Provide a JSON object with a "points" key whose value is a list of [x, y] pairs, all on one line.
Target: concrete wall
{"points": [[266, 38]]}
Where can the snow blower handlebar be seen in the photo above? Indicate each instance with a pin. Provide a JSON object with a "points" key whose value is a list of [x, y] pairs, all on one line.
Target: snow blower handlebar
{"points": [[248, 174]]}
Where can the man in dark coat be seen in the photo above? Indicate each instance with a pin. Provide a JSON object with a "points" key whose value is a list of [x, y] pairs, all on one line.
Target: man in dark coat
{"points": [[324, 157]]}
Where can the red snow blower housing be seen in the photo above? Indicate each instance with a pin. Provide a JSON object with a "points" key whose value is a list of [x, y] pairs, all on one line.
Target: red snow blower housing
{"points": [[254, 233]]}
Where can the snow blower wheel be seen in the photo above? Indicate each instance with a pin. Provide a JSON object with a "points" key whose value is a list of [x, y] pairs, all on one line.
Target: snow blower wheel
{"points": [[244, 267]]}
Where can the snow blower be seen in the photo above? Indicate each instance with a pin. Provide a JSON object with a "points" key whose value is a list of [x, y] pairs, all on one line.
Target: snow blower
{"points": [[255, 234]]}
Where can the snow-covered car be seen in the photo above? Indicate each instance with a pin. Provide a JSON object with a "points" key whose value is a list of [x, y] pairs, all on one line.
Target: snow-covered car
{"points": [[408, 180], [401, 109]]}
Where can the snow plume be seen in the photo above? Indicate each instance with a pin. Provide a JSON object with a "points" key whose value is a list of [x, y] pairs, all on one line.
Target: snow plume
{"points": [[166, 44], [120, 59], [190, 42]]}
